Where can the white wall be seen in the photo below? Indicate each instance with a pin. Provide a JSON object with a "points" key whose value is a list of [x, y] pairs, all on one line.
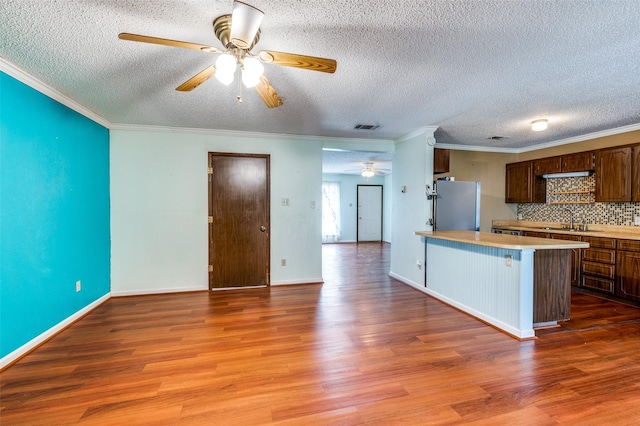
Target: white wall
{"points": [[412, 168], [348, 203], [159, 208], [387, 195]]}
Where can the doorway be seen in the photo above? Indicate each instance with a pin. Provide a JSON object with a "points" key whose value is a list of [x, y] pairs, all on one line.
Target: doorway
{"points": [[369, 201], [239, 222]]}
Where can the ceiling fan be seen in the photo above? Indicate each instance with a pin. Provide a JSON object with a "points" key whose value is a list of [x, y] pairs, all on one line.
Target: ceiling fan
{"points": [[368, 171], [239, 33]]}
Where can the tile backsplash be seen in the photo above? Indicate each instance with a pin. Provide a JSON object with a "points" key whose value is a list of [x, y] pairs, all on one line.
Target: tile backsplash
{"points": [[569, 193]]}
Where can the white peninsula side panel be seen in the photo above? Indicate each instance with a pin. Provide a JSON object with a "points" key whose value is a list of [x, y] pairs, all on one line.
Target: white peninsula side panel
{"points": [[490, 283]]}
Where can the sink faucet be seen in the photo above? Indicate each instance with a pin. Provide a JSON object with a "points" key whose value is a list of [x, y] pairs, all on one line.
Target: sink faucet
{"points": [[570, 217]]}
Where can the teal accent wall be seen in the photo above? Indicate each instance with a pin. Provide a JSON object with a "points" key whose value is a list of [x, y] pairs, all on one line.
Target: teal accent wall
{"points": [[54, 213]]}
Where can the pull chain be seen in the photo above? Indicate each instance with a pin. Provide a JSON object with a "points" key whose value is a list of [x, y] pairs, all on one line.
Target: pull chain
{"points": [[239, 96]]}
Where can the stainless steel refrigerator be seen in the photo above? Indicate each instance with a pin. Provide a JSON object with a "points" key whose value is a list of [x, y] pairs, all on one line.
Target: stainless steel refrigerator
{"points": [[456, 206]]}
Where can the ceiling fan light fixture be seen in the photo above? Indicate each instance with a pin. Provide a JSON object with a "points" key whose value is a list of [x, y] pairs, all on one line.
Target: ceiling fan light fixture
{"points": [[245, 23], [367, 173], [225, 68], [252, 70], [539, 125]]}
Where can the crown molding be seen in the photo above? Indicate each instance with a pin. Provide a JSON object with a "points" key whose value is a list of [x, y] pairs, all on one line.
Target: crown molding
{"points": [[566, 141], [582, 138], [15, 72], [476, 148], [425, 130], [325, 140]]}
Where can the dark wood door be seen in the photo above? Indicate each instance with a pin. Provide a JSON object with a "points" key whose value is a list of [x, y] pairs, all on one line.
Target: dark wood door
{"points": [[238, 220]]}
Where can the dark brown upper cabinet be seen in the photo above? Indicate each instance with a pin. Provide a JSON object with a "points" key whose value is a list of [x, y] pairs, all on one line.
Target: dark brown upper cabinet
{"points": [[440, 160], [578, 162], [522, 186], [635, 173], [613, 174], [544, 166]]}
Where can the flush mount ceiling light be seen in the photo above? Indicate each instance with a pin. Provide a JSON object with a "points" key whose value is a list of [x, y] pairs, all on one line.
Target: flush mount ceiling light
{"points": [[539, 125]]}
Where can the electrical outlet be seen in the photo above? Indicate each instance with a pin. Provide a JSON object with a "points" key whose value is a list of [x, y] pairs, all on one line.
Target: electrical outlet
{"points": [[508, 260], [283, 262], [636, 220], [78, 286], [313, 204], [285, 202], [419, 264]]}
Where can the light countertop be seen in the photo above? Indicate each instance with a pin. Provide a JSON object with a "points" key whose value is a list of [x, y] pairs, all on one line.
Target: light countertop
{"points": [[504, 241], [594, 230]]}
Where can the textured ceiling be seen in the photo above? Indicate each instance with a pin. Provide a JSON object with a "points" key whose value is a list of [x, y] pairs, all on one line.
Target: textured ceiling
{"points": [[473, 68], [352, 162]]}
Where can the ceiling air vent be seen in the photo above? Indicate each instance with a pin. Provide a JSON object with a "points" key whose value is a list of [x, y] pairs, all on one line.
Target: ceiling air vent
{"points": [[366, 127], [496, 138]]}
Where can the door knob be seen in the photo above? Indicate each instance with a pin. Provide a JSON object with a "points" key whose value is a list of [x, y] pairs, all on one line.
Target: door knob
{"points": [[263, 228]]}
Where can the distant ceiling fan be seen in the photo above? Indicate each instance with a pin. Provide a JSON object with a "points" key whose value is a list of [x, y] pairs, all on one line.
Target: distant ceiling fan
{"points": [[368, 171], [239, 33]]}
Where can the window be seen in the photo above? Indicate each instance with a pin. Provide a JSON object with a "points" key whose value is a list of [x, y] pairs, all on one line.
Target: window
{"points": [[330, 212]]}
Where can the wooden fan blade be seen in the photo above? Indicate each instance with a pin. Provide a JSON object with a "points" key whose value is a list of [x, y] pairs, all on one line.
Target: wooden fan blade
{"points": [[298, 61], [197, 79], [268, 93], [167, 42]]}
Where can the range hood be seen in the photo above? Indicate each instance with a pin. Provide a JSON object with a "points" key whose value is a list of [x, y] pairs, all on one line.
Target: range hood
{"points": [[566, 175]]}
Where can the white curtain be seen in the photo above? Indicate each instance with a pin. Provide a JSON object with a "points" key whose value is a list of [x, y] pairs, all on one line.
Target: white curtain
{"points": [[330, 212]]}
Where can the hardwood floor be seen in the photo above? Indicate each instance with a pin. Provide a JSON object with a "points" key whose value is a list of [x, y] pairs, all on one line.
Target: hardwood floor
{"points": [[360, 349]]}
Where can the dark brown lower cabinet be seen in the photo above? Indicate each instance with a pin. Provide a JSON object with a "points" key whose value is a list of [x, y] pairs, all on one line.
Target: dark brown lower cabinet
{"points": [[575, 257], [551, 287], [628, 269], [535, 234], [609, 266], [598, 271], [552, 279]]}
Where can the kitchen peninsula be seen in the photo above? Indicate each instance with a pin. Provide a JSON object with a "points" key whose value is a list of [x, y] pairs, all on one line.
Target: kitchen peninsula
{"points": [[513, 283]]}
